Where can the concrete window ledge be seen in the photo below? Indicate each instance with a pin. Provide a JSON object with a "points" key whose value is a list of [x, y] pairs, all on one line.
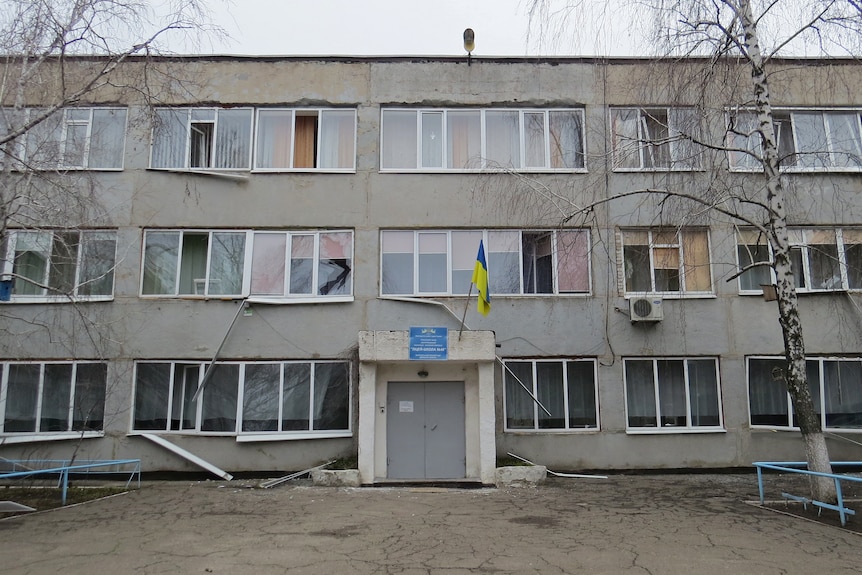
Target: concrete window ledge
{"points": [[335, 477], [520, 476]]}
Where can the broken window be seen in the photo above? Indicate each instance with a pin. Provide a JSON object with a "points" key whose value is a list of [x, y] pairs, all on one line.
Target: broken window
{"points": [[655, 138], [239, 263]]}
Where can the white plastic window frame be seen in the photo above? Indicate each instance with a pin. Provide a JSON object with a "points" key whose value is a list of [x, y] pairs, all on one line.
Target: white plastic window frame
{"points": [[188, 120], [683, 292], [238, 433], [483, 140], [821, 360], [689, 428], [64, 123], [643, 141], [247, 267], [803, 245], [537, 411], [795, 168], [38, 435], [319, 113], [485, 234], [7, 267]]}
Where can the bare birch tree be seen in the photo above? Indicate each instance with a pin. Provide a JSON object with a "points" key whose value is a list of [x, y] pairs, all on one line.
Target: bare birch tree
{"points": [[66, 66], [712, 36]]}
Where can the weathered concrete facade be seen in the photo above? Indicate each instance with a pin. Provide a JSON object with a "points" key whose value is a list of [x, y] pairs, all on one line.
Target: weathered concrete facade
{"points": [[718, 323]]}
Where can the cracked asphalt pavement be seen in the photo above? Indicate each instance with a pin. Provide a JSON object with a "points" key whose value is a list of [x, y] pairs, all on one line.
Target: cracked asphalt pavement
{"points": [[627, 524]]}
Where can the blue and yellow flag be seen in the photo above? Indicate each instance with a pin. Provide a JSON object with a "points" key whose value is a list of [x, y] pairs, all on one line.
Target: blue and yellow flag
{"points": [[480, 280]]}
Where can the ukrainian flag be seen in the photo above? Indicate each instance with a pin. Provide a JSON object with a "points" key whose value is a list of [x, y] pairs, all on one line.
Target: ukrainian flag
{"points": [[480, 280]]}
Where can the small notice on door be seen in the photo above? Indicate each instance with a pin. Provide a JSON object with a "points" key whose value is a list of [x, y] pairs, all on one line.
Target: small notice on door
{"points": [[405, 406]]}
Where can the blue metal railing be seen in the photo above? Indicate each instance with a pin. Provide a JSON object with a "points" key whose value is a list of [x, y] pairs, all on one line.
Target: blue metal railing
{"points": [[63, 468], [801, 467]]}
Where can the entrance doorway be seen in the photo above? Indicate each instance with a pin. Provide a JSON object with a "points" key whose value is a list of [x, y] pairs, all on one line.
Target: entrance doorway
{"points": [[425, 433]]}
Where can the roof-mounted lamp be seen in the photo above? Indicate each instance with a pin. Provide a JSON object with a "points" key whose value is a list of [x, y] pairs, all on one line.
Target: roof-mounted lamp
{"points": [[469, 43]]}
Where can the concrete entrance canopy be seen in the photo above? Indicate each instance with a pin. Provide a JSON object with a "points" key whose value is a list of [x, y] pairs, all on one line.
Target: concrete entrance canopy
{"points": [[384, 357]]}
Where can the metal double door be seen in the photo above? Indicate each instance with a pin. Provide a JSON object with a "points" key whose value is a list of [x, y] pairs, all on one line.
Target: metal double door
{"points": [[425, 430]]}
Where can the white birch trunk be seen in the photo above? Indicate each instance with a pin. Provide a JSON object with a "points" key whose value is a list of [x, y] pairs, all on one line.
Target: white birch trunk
{"points": [[817, 455]]}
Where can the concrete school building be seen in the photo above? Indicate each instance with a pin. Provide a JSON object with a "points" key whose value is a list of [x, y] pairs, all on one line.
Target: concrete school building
{"points": [[272, 265]]}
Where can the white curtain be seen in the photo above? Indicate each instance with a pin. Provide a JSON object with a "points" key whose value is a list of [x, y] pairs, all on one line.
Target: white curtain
{"points": [[170, 138], [337, 137], [233, 139]]}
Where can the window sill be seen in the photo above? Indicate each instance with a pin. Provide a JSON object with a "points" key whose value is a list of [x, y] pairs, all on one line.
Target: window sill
{"points": [[570, 431], [243, 173], [495, 295], [670, 295], [57, 299], [656, 170], [9, 438], [774, 428], [234, 174], [304, 171], [808, 292], [263, 300], [292, 436], [482, 171], [298, 300], [246, 436], [672, 430], [757, 170], [67, 169]]}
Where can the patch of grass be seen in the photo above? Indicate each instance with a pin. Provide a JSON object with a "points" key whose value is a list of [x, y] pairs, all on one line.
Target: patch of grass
{"points": [[511, 462], [42, 498], [347, 462]]}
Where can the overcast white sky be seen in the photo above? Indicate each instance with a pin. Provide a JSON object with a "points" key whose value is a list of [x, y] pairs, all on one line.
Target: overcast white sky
{"points": [[389, 27]]}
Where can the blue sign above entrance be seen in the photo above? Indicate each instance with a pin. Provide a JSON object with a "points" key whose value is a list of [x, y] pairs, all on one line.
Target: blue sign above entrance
{"points": [[429, 343]]}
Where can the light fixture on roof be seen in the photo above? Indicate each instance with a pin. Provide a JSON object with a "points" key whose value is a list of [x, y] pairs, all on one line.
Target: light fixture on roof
{"points": [[469, 43]]}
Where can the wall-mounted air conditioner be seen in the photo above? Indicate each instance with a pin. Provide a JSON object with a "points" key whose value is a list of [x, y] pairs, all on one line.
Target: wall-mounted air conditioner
{"points": [[646, 308]]}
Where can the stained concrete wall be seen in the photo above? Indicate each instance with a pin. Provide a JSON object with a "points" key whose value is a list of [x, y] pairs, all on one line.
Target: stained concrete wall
{"points": [[596, 325]]}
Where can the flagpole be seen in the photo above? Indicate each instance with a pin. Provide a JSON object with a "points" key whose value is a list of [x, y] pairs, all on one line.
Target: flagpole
{"points": [[466, 305]]}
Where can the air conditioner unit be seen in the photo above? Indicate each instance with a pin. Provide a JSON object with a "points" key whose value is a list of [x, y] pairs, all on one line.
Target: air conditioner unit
{"points": [[645, 309]]}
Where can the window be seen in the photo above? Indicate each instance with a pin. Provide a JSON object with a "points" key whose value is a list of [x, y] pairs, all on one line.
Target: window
{"points": [[53, 397], [566, 388], [836, 389], [61, 264], [655, 138], [441, 262], [828, 140], [526, 140], [666, 261], [672, 394], [69, 139], [239, 263], [822, 259], [240, 398], [286, 139], [305, 139]]}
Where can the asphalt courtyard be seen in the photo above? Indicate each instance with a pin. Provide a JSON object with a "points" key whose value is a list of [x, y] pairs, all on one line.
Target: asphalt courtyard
{"points": [[626, 524]]}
